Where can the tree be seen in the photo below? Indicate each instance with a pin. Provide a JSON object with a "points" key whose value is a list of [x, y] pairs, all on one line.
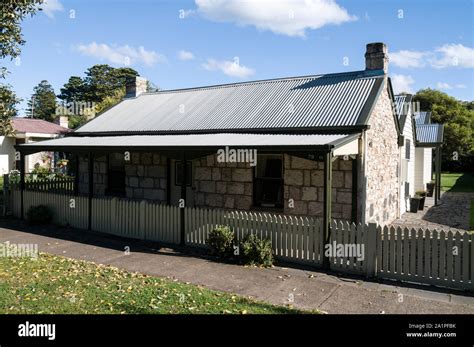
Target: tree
{"points": [[102, 87], [12, 12], [103, 81], [42, 104], [74, 90], [8, 102], [458, 118]]}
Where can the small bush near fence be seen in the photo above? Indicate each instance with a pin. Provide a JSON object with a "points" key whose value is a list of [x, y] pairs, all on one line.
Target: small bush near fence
{"points": [[256, 251], [252, 249], [221, 241], [40, 214]]}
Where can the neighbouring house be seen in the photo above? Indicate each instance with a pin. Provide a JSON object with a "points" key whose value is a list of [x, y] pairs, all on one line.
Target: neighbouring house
{"points": [[419, 139], [326, 145], [28, 130], [429, 137]]}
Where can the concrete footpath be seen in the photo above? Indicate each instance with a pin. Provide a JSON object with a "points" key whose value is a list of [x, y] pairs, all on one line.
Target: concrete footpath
{"points": [[303, 288]]}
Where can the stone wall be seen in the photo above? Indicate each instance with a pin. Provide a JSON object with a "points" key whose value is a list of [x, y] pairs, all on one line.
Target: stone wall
{"points": [[100, 175], [227, 185], [381, 165], [304, 184], [145, 176], [230, 185]]}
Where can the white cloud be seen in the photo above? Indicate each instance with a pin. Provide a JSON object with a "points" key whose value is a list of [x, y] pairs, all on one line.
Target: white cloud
{"points": [[51, 6], [121, 55], [287, 17], [408, 59], [448, 55], [447, 86], [185, 55], [230, 68], [454, 55], [402, 83]]}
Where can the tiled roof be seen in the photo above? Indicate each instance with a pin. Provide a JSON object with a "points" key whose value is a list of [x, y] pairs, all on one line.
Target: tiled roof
{"points": [[28, 125]]}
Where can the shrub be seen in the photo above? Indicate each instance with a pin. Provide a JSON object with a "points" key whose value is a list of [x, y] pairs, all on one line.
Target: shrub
{"points": [[40, 214], [221, 241], [420, 193], [256, 251]]}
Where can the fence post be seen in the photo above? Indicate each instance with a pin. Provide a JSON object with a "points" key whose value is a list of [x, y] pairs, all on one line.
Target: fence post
{"points": [[142, 214], [371, 251]]}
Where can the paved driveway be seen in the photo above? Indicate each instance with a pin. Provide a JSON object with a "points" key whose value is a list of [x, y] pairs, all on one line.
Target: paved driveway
{"points": [[303, 288], [452, 213]]}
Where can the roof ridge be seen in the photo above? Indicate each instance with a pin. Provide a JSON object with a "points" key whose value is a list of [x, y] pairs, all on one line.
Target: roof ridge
{"points": [[363, 73]]}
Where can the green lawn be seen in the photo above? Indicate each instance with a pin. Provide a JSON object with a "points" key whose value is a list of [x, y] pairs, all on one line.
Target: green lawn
{"points": [[457, 182], [53, 284]]}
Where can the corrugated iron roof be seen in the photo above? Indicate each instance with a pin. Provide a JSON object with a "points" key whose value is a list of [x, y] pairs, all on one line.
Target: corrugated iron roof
{"points": [[429, 133], [422, 117], [333, 100], [403, 108], [193, 140], [40, 126]]}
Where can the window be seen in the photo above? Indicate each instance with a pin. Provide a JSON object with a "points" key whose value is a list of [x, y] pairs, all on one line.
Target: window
{"points": [[268, 183], [407, 149], [116, 174], [179, 173]]}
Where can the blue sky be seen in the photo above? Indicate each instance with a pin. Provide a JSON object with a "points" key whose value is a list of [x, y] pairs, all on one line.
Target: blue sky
{"points": [[178, 44]]}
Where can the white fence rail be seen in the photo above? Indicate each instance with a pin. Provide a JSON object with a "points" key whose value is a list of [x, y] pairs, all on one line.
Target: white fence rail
{"points": [[419, 256]]}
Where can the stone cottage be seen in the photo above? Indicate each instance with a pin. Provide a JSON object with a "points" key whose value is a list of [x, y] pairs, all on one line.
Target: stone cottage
{"points": [[322, 145]]}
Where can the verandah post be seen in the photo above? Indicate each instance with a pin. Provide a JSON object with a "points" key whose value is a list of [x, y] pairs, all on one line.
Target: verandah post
{"points": [[182, 204], [91, 190], [327, 203], [76, 175], [22, 183], [438, 172]]}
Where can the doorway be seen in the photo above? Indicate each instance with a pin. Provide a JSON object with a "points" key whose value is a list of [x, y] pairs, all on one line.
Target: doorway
{"points": [[176, 179]]}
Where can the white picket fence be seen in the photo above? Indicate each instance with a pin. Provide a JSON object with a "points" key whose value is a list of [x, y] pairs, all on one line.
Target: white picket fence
{"points": [[423, 256], [65, 211], [293, 238], [121, 217], [420, 256]]}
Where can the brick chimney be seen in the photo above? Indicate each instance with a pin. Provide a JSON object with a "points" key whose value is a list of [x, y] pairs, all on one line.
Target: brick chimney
{"points": [[376, 56], [135, 86], [62, 121]]}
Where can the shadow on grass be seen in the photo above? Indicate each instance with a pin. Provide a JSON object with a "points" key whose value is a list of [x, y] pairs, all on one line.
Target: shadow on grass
{"points": [[465, 183]]}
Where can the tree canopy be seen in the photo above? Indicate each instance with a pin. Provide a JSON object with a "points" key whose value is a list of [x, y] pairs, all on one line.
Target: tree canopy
{"points": [[42, 104], [12, 12], [458, 117], [7, 110], [102, 87]]}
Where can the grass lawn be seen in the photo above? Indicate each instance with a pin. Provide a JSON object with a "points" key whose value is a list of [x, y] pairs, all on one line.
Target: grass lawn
{"points": [[457, 182], [53, 284]]}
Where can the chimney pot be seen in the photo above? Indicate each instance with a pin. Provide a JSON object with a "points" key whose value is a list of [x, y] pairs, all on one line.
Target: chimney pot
{"points": [[135, 86], [376, 56]]}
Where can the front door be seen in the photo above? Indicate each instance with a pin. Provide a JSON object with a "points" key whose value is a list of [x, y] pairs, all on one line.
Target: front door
{"points": [[176, 174]]}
